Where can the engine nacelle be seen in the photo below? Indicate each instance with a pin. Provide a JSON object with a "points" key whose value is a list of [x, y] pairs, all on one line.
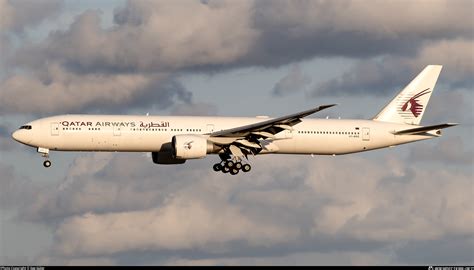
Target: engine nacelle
{"points": [[165, 157], [190, 146]]}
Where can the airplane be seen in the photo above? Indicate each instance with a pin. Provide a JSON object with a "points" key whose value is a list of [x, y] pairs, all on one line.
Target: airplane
{"points": [[175, 139]]}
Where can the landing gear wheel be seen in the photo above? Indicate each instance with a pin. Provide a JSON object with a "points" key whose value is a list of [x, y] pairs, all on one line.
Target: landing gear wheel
{"points": [[225, 169], [47, 163], [234, 171], [246, 168], [217, 167], [229, 163], [238, 165]]}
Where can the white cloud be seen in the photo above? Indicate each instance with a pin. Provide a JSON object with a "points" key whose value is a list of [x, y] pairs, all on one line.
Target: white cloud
{"points": [[289, 204], [55, 89], [182, 223]]}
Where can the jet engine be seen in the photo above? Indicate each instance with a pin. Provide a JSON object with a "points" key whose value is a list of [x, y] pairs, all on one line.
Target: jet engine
{"points": [[165, 157], [190, 146]]}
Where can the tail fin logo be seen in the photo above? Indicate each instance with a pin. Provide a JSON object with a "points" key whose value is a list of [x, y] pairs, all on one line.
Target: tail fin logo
{"points": [[413, 103]]}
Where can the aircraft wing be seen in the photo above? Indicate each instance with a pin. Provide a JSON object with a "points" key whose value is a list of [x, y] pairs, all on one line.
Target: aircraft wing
{"points": [[243, 140], [269, 127], [418, 130]]}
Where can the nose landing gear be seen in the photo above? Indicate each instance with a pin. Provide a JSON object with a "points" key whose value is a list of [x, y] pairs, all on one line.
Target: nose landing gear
{"points": [[47, 163], [45, 153]]}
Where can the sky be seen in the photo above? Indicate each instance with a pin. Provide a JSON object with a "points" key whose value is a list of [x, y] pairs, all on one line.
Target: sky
{"points": [[412, 204]]}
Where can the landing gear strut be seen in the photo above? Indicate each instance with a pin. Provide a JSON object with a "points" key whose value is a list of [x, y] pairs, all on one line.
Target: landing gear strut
{"points": [[45, 153]]}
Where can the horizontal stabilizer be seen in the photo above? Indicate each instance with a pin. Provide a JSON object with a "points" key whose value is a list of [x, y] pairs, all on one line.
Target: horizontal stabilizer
{"points": [[423, 129]]}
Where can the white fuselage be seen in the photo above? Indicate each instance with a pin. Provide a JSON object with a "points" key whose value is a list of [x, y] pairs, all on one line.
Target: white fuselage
{"points": [[133, 133]]}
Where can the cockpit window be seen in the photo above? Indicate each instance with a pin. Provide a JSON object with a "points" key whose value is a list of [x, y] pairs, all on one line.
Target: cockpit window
{"points": [[25, 127]]}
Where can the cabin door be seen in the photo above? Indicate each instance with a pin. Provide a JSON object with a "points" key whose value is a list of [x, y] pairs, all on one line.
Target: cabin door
{"points": [[54, 129], [366, 134], [117, 131]]}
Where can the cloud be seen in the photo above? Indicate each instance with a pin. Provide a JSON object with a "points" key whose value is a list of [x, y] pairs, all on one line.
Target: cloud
{"points": [[194, 109], [447, 151], [450, 105], [380, 77], [284, 206], [227, 34], [434, 251], [367, 77], [181, 224], [6, 142], [293, 82], [456, 56], [17, 190], [151, 36], [20, 14], [298, 30], [87, 67], [17, 17], [100, 183], [122, 209], [395, 206], [57, 90]]}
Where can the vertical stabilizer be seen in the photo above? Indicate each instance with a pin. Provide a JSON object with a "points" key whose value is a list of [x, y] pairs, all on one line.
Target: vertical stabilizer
{"points": [[410, 104]]}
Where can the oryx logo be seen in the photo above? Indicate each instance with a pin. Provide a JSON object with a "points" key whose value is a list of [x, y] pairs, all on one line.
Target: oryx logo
{"points": [[188, 145], [413, 103]]}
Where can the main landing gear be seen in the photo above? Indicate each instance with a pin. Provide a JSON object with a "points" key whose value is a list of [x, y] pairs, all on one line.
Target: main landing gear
{"points": [[45, 153], [232, 166]]}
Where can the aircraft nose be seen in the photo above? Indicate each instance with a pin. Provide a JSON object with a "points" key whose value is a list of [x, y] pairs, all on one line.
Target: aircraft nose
{"points": [[16, 135], [20, 136]]}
